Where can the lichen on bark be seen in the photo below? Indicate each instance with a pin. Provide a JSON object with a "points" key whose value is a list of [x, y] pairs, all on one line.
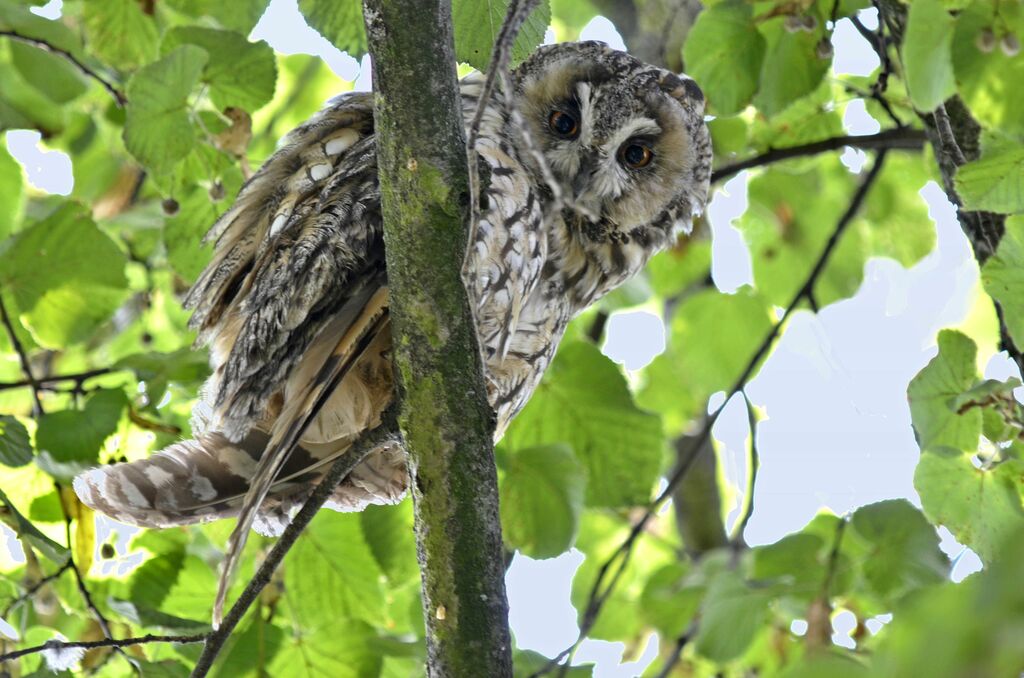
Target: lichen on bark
{"points": [[446, 421]]}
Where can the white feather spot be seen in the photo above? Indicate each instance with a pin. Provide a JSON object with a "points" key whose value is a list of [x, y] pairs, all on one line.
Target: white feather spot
{"points": [[131, 493], [202, 488], [238, 462], [341, 141], [278, 224], [158, 476], [321, 171]]}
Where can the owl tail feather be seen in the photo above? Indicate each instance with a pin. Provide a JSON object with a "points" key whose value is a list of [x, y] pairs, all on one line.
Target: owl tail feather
{"points": [[194, 481]]}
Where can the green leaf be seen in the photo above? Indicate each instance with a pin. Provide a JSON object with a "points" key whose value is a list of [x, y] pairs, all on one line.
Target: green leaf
{"points": [[542, 499], [240, 73], [50, 269], [584, 401], [791, 67], [989, 82], [673, 270], [70, 440], [12, 186], [157, 129], [142, 615], [934, 390], [1003, 277], [671, 599], [680, 380], [339, 649], [731, 616], [119, 32], [259, 638], [979, 506], [723, 53], [15, 448], [794, 562], [22, 106], [157, 370], [928, 54], [237, 15], [902, 548], [340, 21], [26, 530], [388, 531], [331, 573], [931, 638], [476, 24], [527, 663], [995, 182], [51, 74], [832, 664]]}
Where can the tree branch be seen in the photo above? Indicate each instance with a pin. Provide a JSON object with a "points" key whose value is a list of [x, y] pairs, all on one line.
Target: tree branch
{"points": [[446, 420], [956, 137], [904, 138], [78, 377], [26, 368], [605, 583], [118, 95], [108, 642], [386, 432]]}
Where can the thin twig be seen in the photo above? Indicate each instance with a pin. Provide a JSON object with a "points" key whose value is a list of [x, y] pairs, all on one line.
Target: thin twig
{"points": [[601, 591], [900, 138], [753, 465], [677, 651], [109, 642], [37, 404], [83, 590], [946, 136], [35, 587], [118, 95], [78, 377], [367, 443]]}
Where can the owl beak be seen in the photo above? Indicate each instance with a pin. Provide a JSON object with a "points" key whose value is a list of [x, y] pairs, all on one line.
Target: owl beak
{"points": [[588, 165]]}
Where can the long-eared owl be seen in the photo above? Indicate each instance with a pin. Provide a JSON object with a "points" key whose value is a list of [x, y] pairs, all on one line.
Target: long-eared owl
{"points": [[298, 276]]}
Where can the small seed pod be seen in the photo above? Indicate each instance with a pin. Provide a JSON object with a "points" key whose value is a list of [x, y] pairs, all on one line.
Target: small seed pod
{"points": [[986, 40], [810, 22], [792, 24], [1010, 45], [824, 49], [170, 206]]}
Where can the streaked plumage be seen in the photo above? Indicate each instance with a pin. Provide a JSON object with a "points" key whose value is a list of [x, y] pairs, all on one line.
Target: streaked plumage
{"points": [[297, 281]]}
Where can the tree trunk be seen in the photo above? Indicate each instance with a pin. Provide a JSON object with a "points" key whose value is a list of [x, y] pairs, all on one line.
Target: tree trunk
{"points": [[447, 423]]}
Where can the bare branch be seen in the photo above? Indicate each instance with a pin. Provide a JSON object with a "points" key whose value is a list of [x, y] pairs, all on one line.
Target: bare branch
{"points": [[753, 465], [369, 441], [900, 138], [109, 642], [118, 95], [35, 587], [37, 404], [78, 377], [605, 583]]}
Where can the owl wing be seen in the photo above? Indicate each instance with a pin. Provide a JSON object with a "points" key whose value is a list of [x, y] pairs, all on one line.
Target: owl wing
{"points": [[505, 262], [300, 242], [292, 294]]}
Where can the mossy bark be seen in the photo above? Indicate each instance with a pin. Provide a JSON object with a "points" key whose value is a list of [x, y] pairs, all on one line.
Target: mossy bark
{"points": [[445, 417]]}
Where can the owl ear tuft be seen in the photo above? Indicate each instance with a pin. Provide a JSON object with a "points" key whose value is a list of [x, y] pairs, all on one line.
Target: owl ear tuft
{"points": [[683, 88]]}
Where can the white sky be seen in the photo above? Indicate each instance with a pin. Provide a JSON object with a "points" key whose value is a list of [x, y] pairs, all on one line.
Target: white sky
{"points": [[837, 433]]}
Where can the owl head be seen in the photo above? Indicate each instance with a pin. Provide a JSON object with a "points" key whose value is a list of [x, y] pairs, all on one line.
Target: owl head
{"points": [[625, 140]]}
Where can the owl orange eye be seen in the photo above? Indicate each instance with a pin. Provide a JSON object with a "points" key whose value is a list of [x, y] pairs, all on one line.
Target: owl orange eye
{"points": [[563, 124], [635, 156]]}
